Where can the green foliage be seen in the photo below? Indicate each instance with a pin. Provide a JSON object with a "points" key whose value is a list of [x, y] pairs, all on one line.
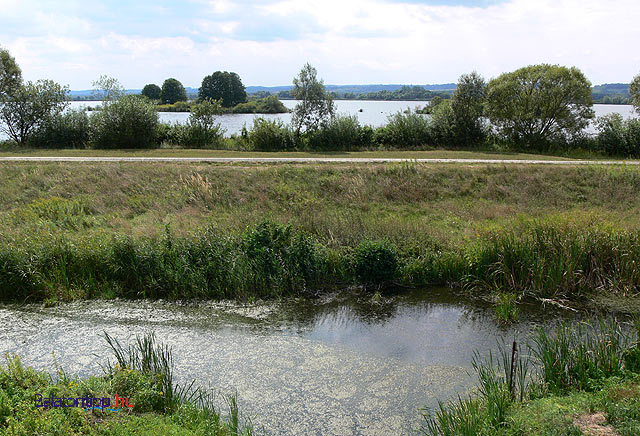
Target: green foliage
{"points": [[539, 104], [280, 260], [267, 105], [172, 91], [69, 129], [316, 105], [618, 136], [634, 90], [203, 128], [224, 86], [405, 130], [270, 135], [467, 105], [152, 91], [140, 373], [342, 132], [130, 122], [375, 262], [575, 356], [10, 74], [30, 106], [506, 309]]}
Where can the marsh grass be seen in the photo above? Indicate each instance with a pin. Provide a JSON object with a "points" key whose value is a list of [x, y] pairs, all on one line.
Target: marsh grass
{"points": [[143, 371], [565, 361]]}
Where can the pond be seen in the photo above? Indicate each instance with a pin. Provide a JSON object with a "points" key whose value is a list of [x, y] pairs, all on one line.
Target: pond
{"points": [[341, 364]]}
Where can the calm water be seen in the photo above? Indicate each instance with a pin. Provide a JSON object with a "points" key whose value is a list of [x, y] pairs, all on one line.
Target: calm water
{"points": [[341, 365], [373, 113]]}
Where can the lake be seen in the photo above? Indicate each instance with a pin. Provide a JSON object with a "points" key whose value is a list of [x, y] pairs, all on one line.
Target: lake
{"points": [[373, 113], [340, 364]]}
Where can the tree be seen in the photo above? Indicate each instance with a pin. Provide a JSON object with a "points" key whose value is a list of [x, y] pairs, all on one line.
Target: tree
{"points": [[108, 89], [540, 103], [467, 104], [634, 90], [152, 91], [316, 105], [224, 86], [29, 106], [172, 91], [10, 74]]}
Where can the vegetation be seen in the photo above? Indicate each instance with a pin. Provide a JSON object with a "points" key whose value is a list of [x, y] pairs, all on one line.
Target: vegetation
{"points": [[316, 105], [142, 372], [539, 104], [634, 90], [152, 92], [10, 74], [558, 384], [172, 92], [77, 231], [30, 106], [129, 122], [267, 105], [619, 136], [224, 86]]}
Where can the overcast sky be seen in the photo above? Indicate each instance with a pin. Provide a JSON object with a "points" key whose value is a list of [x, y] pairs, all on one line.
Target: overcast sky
{"points": [[349, 41]]}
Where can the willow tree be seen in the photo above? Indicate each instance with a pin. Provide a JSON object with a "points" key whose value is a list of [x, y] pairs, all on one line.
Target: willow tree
{"points": [[539, 104]]}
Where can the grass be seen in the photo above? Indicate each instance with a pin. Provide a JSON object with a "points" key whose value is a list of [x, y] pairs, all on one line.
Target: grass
{"points": [[168, 152], [196, 231], [140, 374], [559, 398]]}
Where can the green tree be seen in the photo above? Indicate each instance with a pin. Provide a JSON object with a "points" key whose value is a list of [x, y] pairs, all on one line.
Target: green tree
{"points": [[10, 74], [172, 91], [316, 105], [224, 86], [152, 91], [538, 104], [30, 106], [108, 89], [634, 90], [467, 104]]}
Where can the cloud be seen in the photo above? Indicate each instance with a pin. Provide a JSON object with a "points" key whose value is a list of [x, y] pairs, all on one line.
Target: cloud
{"points": [[359, 41]]}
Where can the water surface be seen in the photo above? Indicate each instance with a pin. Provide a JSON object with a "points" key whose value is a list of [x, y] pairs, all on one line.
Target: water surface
{"points": [[337, 365]]}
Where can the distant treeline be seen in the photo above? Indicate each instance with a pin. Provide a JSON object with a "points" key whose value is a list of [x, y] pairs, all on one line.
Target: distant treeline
{"points": [[608, 93]]}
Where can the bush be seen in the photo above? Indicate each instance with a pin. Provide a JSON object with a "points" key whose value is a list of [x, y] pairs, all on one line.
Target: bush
{"points": [[619, 137], [203, 128], [131, 122], [405, 130], [375, 262], [66, 130], [268, 105], [270, 135], [343, 132]]}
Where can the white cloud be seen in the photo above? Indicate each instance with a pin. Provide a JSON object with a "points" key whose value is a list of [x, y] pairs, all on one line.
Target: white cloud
{"points": [[357, 41]]}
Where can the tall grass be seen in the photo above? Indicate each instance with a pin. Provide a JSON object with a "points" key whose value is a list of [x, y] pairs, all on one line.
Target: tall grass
{"points": [[271, 260]]}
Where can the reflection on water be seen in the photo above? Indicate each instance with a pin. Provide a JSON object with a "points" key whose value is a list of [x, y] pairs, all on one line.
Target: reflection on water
{"points": [[343, 364]]}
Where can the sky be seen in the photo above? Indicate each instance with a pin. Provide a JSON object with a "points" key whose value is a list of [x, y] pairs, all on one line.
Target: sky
{"points": [[348, 41]]}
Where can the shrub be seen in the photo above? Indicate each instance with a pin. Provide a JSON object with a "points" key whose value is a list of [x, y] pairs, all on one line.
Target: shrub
{"points": [[375, 262], [65, 130], [130, 122], [270, 135], [406, 130], [342, 132], [619, 137], [203, 128]]}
